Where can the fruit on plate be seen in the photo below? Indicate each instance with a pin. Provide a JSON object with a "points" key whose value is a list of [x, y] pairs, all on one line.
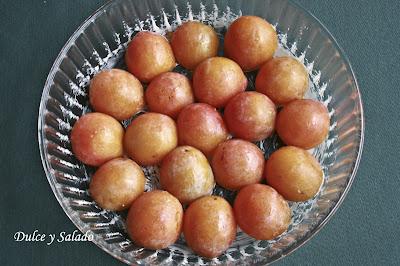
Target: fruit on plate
{"points": [[294, 173], [250, 41], [237, 163], [215, 135], [97, 138], [116, 184], [303, 123], [116, 92], [193, 42], [209, 226], [201, 126], [168, 93], [282, 79], [154, 220], [216, 80], [261, 212], [148, 55], [150, 137], [250, 115], [186, 174]]}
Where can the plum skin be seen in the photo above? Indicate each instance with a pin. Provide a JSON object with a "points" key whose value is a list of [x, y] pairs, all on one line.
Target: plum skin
{"points": [[201, 126], [169, 93], [194, 42], [186, 174], [117, 93], [155, 220], [150, 137], [116, 184], [97, 138], [303, 123], [261, 212], [294, 173], [216, 80], [282, 79], [250, 41], [148, 55], [250, 115], [237, 163], [209, 226]]}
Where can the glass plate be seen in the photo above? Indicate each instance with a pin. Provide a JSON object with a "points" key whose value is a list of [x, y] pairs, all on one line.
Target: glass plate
{"points": [[100, 43]]}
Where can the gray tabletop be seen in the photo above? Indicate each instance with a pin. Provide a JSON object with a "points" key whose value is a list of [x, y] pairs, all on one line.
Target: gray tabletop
{"points": [[364, 231]]}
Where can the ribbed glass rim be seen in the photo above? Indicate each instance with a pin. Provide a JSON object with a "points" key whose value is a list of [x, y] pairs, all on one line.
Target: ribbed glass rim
{"points": [[286, 252]]}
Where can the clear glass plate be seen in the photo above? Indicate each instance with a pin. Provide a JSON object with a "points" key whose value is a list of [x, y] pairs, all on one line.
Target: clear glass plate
{"points": [[100, 43]]}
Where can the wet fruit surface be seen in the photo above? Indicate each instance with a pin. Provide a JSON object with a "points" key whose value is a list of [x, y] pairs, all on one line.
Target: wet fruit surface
{"points": [[250, 41], [216, 80], [117, 93], [97, 138], [209, 226], [201, 126], [116, 184], [169, 93], [150, 137], [250, 115], [149, 55], [155, 220], [186, 174], [194, 42], [294, 173], [261, 212], [237, 163], [282, 79], [303, 123]]}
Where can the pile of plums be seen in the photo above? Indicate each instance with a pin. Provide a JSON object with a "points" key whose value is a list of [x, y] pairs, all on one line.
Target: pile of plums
{"points": [[201, 132]]}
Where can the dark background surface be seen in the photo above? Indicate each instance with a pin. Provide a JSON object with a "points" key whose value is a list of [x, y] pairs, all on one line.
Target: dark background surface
{"points": [[364, 231]]}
